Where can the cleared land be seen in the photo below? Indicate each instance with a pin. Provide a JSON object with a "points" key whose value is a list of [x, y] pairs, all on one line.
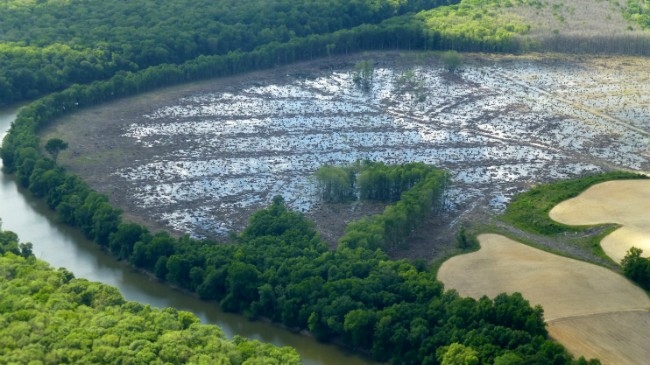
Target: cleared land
{"points": [[577, 19], [200, 158], [625, 202], [614, 338], [578, 298]]}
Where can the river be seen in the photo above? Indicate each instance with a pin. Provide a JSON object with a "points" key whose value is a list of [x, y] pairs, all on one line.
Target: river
{"points": [[63, 246]]}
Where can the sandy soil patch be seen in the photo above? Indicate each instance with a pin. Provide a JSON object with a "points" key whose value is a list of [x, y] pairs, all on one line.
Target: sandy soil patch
{"points": [[566, 288], [614, 338], [624, 202]]}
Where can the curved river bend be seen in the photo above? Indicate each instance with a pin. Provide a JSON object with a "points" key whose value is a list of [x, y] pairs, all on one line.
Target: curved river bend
{"points": [[63, 246]]}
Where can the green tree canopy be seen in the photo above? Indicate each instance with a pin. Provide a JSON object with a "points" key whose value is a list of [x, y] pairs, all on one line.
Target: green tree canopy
{"points": [[54, 146], [50, 317]]}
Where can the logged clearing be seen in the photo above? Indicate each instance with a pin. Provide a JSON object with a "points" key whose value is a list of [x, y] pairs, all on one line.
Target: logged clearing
{"points": [[200, 158], [600, 336], [624, 202], [567, 289], [577, 18]]}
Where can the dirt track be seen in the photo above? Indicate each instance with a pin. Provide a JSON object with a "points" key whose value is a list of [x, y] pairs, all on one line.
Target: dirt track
{"points": [[622, 202]]}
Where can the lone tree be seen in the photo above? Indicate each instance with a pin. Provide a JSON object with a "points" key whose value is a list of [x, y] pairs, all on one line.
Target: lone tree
{"points": [[362, 76], [54, 146], [452, 60]]}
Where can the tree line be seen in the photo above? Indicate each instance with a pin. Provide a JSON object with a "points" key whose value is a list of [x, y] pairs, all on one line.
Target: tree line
{"points": [[50, 56], [280, 269], [49, 45], [416, 189], [50, 317]]}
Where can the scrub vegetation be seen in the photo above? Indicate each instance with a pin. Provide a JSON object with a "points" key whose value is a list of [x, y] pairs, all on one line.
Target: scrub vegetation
{"points": [[529, 210]]}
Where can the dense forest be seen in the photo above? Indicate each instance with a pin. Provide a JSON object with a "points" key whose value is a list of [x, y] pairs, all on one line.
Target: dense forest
{"points": [[49, 45], [48, 316], [279, 268]]}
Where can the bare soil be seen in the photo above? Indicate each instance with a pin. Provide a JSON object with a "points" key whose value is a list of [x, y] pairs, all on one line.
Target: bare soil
{"points": [[578, 18], [200, 158], [614, 338], [625, 202], [581, 301]]}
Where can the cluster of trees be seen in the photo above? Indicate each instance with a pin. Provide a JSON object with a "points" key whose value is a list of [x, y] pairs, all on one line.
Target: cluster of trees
{"points": [[336, 184], [452, 60], [363, 74], [637, 267], [416, 189], [376, 181], [9, 243], [280, 269], [410, 82], [48, 45], [393, 228], [477, 25], [638, 11], [50, 317]]}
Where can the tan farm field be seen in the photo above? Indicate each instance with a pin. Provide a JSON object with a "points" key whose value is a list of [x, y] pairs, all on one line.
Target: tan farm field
{"points": [[624, 202], [580, 300]]}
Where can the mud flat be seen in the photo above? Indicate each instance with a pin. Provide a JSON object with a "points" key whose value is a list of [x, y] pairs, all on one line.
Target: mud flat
{"points": [[200, 158], [580, 300], [625, 202]]}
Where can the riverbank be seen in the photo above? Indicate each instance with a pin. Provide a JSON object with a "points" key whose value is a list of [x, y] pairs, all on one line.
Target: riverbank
{"points": [[64, 246], [201, 157]]}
